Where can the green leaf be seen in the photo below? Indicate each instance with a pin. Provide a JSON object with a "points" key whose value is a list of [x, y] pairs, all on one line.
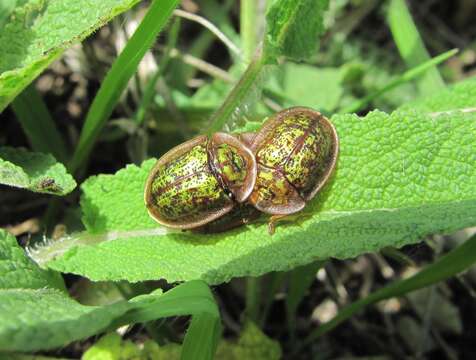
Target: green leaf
{"points": [[37, 31], [293, 28], [202, 338], [37, 313], [34, 171], [399, 177], [398, 81], [17, 271], [34, 319]]}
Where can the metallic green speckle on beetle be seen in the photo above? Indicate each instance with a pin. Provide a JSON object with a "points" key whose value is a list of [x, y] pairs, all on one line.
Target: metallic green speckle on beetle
{"points": [[296, 152], [199, 181], [186, 187], [277, 170]]}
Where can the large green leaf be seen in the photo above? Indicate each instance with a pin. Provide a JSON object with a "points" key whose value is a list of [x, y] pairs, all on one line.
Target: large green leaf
{"points": [[37, 313], [37, 31], [399, 177], [34, 171]]}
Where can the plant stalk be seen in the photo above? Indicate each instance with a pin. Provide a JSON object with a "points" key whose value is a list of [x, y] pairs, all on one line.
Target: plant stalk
{"points": [[237, 94]]}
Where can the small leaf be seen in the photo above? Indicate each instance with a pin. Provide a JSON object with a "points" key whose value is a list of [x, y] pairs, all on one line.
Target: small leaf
{"points": [[399, 177], [34, 171], [38, 31], [293, 27]]}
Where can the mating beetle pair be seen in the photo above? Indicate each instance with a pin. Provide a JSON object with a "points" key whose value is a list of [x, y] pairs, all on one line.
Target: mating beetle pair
{"points": [[222, 179]]}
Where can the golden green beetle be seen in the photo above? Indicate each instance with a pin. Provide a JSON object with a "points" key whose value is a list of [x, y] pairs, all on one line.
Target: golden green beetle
{"points": [[199, 181], [296, 152]]}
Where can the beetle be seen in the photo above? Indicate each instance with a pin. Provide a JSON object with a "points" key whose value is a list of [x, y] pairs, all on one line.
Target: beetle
{"points": [[296, 152], [199, 181]]}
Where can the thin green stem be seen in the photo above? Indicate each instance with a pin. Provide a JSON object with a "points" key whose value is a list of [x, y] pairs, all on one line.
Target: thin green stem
{"points": [[219, 11], [212, 28], [404, 78], [237, 94]]}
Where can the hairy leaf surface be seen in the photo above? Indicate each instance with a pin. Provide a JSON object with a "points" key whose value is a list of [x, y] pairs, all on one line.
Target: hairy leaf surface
{"points": [[38, 314], [399, 177], [293, 27], [34, 34]]}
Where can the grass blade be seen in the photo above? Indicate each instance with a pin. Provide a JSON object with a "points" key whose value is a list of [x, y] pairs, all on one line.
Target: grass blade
{"points": [[407, 76], [150, 89], [118, 76], [449, 265], [38, 124], [202, 338], [190, 298], [411, 47]]}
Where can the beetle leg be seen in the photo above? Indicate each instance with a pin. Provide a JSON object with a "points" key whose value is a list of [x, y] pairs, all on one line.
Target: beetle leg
{"points": [[289, 218], [273, 220]]}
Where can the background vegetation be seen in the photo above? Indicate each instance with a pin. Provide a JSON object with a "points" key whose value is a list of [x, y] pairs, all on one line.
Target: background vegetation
{"points": [[89, 93]]}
